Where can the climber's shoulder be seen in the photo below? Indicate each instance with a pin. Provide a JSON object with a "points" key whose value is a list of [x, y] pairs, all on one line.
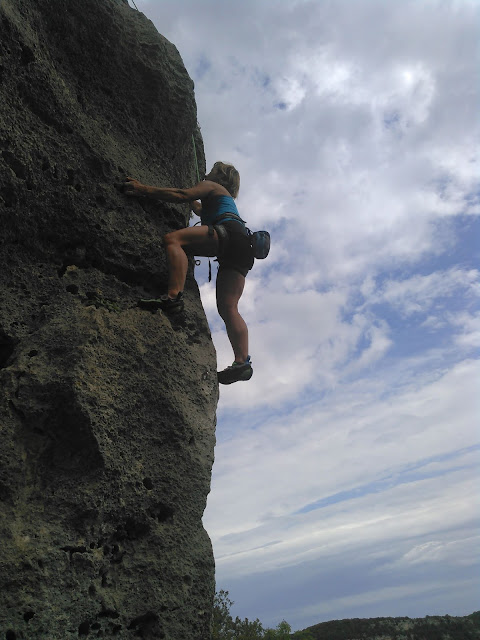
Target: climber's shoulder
{"points": [[205, 189]]}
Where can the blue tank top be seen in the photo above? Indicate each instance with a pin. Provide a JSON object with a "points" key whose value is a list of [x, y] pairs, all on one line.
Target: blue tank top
{"points": [[216, 206]]}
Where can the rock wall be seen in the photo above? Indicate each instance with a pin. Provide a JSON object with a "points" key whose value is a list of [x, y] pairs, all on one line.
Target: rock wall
{"points": [[107, 412]]}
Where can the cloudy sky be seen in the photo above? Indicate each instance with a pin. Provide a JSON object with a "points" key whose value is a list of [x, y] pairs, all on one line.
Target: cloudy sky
{"points": [[345, 481]]}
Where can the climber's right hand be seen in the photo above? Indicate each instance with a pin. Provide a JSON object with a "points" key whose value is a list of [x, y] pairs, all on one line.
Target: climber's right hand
{"points": [[132, 187]]}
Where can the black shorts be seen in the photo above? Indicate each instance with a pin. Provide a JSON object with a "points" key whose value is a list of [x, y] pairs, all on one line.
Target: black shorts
{"points": [[234, 248]]}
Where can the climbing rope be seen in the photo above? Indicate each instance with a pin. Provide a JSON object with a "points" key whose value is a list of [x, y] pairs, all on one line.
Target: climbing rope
{"points": [[135, 5], [199, 262], [195, 156]]}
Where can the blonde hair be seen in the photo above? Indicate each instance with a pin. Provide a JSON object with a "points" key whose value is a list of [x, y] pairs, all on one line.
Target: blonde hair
{"points": [[226, 175]]}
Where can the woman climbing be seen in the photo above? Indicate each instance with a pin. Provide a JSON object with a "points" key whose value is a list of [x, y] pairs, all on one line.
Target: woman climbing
{"points": [[222, 234]]}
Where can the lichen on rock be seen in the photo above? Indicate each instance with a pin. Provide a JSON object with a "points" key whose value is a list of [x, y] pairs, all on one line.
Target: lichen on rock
{"points": [[107, 412]]}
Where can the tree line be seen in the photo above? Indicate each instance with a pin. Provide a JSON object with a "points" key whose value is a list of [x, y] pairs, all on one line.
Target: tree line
{"points": [[225, 627]]}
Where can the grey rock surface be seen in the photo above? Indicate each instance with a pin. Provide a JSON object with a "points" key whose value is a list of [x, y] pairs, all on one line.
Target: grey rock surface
{"points": [[107, 412]]}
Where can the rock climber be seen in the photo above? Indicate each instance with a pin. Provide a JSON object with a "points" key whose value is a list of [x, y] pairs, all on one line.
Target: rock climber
{"points": [[223, 234]]}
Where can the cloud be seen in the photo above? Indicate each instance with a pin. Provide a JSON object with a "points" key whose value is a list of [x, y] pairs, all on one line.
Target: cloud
{"points": [[342, 441], [319, 338], [388, 596], [356, 477], [344, 472], [447, 552], [419, 293], [469, 329]]}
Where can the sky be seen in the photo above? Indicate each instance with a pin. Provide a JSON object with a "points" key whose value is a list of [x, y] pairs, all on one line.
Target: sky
{"points": [[346, 479]]}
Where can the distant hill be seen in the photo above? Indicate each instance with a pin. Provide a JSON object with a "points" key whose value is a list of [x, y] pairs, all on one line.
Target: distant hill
{"points": [[429, 628]]}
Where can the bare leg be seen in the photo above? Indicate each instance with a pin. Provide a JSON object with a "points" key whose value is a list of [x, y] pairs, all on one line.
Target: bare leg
{"points": [[192, 241], [230, 285]]}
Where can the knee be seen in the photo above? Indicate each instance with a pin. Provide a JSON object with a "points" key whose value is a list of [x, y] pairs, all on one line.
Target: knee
{"points": [[170, 239], [226, 310]]}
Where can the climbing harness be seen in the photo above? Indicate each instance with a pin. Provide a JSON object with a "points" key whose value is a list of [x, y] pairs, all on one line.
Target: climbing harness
{"points": [[259, 240]]}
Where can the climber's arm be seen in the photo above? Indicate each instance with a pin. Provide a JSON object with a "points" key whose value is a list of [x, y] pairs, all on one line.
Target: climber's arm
{"points": [[196, 207], [133, 187]]}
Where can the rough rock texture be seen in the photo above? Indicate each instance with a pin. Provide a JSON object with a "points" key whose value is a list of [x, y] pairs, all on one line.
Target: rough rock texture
{"points": [[107, 412]]}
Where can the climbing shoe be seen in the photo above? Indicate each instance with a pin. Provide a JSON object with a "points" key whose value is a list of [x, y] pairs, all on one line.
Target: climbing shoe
{"points": [[164, 303], [235, 372]]}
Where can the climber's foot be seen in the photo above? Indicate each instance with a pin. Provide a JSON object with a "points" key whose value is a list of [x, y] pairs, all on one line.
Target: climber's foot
{"points": [[164, 303], [236, 372]]}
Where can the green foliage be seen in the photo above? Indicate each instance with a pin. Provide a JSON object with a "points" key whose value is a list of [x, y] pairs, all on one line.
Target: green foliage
{"points": [[222, 622], [302, 635], [224, 627], [281, 632], [246, 630], [428, 628]]}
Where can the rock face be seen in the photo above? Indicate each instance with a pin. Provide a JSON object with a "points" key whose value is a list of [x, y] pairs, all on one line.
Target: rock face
{"points": [[107, 412]]}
